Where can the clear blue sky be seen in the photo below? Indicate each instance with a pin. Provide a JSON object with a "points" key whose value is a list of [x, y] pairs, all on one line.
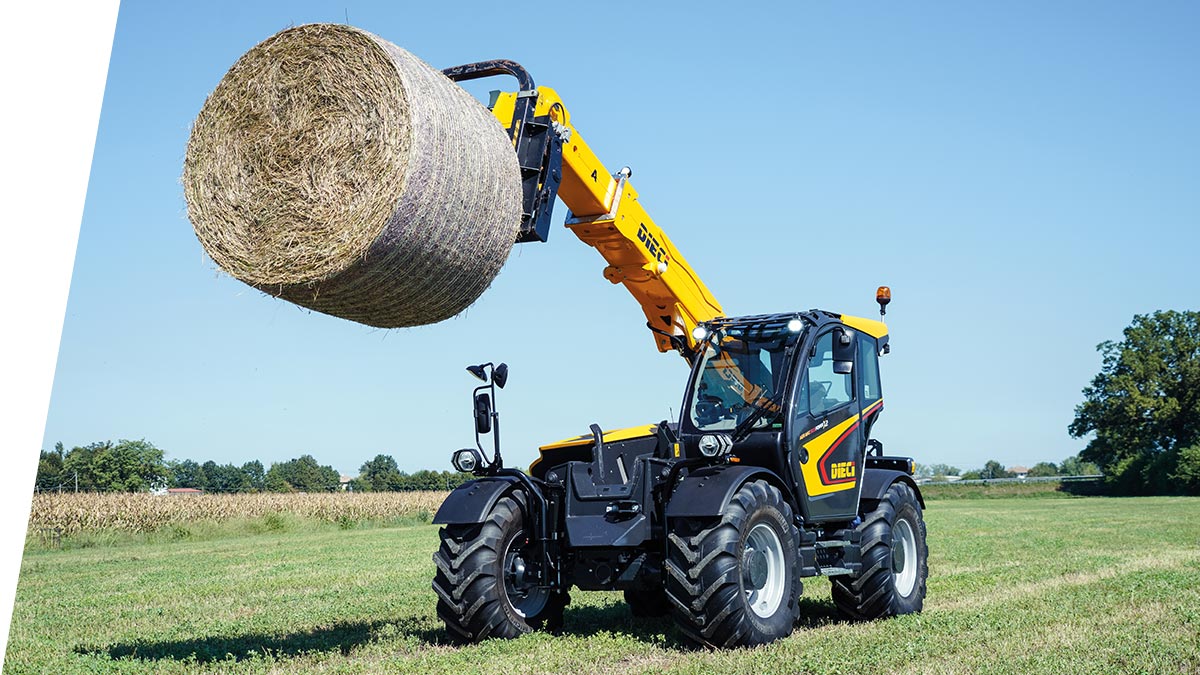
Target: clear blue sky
{"points": [[1023, 175]]}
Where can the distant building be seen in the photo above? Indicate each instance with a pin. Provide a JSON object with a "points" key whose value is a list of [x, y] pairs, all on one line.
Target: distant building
{"points": [[344, 483], [1019, 471], [184, 491]]}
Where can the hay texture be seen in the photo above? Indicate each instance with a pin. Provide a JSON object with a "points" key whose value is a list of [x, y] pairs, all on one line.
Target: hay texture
{"points": [[335, 170]]}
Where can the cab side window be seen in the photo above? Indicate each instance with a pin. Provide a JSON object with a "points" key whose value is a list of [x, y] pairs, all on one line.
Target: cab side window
{"points": [[868, 357], [826, 389]]}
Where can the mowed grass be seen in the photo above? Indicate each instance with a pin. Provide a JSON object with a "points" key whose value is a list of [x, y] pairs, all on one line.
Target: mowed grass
{"points": [[1020, 585]]}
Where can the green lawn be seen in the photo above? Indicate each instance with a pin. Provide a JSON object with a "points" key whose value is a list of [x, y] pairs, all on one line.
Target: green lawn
{"points": [[1065, 586]]}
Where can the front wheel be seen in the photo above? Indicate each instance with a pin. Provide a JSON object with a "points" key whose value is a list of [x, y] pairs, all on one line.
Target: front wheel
{"points": [[481, 582], [895, 561], [732, 581]]}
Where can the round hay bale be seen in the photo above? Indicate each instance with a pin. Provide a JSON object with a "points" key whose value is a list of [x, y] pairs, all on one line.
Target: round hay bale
{"points": [[335, 170]]}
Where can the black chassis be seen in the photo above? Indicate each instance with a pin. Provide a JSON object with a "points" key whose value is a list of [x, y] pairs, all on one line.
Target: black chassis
{"points": [[600, 512]]}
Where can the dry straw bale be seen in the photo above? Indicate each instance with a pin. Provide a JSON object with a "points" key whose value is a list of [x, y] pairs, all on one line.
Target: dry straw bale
{"points": [[334, 169]]}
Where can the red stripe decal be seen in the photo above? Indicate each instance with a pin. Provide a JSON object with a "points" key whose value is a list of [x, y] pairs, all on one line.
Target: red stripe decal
{"points": [[873, 407], [821, 462]]}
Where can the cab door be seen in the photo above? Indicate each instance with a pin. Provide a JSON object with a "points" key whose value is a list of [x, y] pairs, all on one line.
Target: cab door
{"points": [[827, 438]]}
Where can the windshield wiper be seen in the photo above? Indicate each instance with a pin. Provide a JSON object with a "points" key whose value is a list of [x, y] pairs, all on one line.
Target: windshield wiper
{"points": [[767, 405]]}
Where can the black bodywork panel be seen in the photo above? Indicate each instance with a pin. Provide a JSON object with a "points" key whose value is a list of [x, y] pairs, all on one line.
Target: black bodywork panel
{"points": [[608, 500], [706, 491], [472, 501], [875, 483]]}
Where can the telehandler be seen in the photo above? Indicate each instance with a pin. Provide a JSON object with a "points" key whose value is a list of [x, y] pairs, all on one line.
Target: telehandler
{"points": [[768, 476]]}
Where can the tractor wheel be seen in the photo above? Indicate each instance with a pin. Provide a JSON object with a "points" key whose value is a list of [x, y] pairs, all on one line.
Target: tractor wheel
{"points": [[732, 581], [480, 580], [648, 603], [894, 561]]}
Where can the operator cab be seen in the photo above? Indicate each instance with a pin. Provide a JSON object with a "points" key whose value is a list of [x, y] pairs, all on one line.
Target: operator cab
{"points": [[794, 393]]}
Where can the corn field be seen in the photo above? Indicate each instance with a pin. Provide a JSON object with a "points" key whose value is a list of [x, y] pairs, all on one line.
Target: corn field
{"points": [[71, 513]]}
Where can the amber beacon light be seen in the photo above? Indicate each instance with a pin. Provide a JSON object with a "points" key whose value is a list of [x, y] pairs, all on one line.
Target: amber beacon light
{"points": [[883, 296]]}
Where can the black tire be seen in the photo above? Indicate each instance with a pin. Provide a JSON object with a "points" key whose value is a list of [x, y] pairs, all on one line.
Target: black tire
{"points": [[712, 568], [883, 588], [474, 600], [648, 602]]}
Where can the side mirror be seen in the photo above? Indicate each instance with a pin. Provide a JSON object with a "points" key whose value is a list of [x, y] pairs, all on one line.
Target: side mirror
{"points": [[483, 412], [500, 375], [844, 343]]}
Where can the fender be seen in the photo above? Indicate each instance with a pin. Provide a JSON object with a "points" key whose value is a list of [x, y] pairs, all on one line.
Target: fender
{"points": [[472, 501], [705, 492], [876, 482]]}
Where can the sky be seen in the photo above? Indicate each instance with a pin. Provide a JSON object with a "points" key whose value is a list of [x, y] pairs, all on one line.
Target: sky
{"points": [[1023, 175]]}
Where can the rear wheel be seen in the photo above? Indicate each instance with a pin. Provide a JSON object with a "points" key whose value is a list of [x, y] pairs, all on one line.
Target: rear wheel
{"points": [[732, 581], [482, 584], [895, 562]]}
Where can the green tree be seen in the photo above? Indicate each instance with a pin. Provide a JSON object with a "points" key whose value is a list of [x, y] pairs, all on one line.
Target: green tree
{"points": [[1187, 470], [945, 470], [428, 480], [1073, 466], [50, 468], [273, 481], [255, 475], [1043, 469], [226, 477], [1143, 408], [380, 474], [994, 469], [127, 466], [303, 474], [187, 474]]}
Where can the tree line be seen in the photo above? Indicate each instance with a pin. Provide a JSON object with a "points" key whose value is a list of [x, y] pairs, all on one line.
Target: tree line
{"points": [[139, 466], [1140, 414], [1071, 466]]}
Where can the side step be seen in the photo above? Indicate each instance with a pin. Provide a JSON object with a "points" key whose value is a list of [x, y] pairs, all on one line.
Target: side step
{"points": [[832, 543], [835, 556], [835, 571]]}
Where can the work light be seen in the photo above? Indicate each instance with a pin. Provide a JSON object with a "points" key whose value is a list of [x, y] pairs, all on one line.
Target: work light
{"points": [[466, 460]]}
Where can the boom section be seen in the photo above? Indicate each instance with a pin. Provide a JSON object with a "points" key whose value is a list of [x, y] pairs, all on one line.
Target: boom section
{"points": [[606, 214]]}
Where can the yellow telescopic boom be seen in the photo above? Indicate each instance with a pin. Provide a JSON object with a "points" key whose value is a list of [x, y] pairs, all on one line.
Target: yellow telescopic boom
{"points": [[607, 215]]}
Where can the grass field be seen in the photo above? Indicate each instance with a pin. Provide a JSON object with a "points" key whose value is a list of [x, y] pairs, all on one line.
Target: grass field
{"points": [[1061, 586]]}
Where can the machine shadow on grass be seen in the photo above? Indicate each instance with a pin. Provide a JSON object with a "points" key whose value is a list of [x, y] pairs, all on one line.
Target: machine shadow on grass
{"points": [[615, 617], [341, 637], [345, 636]]}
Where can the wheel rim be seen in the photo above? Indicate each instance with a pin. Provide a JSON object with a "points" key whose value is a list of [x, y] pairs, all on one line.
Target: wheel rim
{"points": [[525, 598], [904, 557], [763, 546]]}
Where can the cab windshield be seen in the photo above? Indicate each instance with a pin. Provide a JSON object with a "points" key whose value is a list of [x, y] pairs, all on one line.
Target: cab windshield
{"points": [[741, 371]]}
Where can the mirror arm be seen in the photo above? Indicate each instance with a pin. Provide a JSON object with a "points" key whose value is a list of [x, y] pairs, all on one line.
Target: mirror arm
{"points": [[497, 462], [478, 443]]}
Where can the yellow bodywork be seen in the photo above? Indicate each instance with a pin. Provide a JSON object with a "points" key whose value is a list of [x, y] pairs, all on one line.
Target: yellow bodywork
{"points": [[609, 437], [875, 329], [607, 215], [816, 449]]}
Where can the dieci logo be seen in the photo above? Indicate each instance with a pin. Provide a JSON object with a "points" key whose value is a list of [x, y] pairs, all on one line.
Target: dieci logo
{"points": [[840, 470], [648, 240]]}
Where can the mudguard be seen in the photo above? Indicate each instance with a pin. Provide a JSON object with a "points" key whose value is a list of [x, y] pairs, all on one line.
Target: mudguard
{"points": [[472, 501], [705, 492], [877, 481]]}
